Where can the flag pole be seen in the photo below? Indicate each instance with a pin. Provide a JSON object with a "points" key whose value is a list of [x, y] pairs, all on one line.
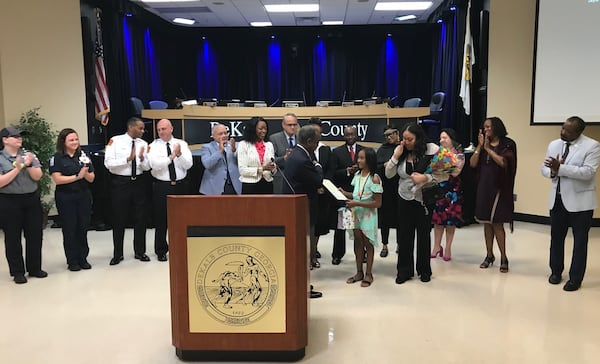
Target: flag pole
{"points": [[102, 102]]}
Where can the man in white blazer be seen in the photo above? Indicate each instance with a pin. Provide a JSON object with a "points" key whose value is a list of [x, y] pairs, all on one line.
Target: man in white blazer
{"points": [[571, 163], [283, 142]]}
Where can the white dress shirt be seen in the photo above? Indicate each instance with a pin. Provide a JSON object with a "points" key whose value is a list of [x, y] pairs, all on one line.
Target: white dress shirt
{"points": [[159, 159], [118, 151]]}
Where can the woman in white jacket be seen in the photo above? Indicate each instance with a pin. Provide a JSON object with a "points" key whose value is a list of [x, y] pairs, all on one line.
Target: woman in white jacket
{"points": [[255, 158]]}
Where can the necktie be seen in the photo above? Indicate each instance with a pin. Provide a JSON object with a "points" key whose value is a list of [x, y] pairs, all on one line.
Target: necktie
{"points": [[172, 174], [133, 161], [566, 152], [351, 150], [562, 160], [291, 142]]}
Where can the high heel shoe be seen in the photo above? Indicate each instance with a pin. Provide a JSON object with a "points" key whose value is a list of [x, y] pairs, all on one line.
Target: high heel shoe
{"points": [[503, 265], [447, 259], [439, 252], [487, 262]]}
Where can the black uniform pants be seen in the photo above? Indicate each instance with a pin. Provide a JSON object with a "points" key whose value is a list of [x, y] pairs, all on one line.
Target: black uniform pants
{"points": [[160, 190], [414, 217], [75, 210], [580, 222], [129, 204], [22, 212]]}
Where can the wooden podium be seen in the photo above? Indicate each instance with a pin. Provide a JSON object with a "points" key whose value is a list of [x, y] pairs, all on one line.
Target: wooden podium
{"points": [[239, 277]]}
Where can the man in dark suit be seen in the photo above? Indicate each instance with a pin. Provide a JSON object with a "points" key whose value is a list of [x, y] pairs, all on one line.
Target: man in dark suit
{"points": [[344, 166], [305, 174], [283, 142]]}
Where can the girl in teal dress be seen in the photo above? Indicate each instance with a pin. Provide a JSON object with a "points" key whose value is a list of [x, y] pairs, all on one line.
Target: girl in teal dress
{"points": [[364, 202]]}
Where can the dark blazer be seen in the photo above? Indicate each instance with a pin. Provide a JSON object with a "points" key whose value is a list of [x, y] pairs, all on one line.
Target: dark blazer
{"points": [[325, 160], [340, 161], [280, 145], [305, 177]]}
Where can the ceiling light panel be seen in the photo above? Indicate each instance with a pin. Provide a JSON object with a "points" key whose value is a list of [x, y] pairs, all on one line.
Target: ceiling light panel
{"points": [[403, 6], [292, 8]]}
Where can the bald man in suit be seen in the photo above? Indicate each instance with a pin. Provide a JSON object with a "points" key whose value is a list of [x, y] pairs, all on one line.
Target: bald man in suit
{"points": [[344, 166], [571, 163]]}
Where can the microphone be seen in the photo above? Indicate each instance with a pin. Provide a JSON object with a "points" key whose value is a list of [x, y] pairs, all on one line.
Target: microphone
{"points": [[344, 97], [284, 177], [304, 98], [273, 104]]}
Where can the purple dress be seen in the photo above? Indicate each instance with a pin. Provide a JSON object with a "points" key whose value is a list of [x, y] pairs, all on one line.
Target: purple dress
{"points": [[495, 185]]}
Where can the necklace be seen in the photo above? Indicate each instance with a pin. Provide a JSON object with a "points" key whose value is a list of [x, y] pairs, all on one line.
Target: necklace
{"points": [[361, 185]]}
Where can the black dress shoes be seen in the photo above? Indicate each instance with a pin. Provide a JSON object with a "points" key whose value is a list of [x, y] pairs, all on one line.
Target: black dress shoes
{"points": [[318, 255], [74, 267], [554, 279], [142, 257], [336, 261], [425, 278], [162, 258], [400, 280], [315, 294], [20, 279], [116, 260], [571, 286], [39, 274], [85, 265]]}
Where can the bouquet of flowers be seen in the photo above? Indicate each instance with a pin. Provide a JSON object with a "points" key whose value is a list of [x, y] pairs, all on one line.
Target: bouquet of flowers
{"points": [[444, 161]]}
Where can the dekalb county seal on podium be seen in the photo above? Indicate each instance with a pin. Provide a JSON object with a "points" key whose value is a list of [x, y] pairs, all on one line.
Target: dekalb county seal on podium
{"points": [[236, 284]]}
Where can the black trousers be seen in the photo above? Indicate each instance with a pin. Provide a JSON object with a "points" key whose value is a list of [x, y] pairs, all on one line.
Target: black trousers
{"points": [[261, 187], [75, 210], [160, 190], [339, 244], [413, 217], [560, 221], [129, 204], [22, 212]]}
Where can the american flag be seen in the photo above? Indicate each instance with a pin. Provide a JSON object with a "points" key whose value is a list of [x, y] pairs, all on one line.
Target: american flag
{"points": [[101, 89]]}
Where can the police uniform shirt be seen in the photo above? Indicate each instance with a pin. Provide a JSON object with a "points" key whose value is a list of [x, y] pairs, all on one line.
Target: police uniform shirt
{"points": [[69, 166], [23, 183], [159, 159], [118, 151]]}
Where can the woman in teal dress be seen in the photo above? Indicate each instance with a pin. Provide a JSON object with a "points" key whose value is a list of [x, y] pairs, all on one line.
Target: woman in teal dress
{"points": [[366, 199]]}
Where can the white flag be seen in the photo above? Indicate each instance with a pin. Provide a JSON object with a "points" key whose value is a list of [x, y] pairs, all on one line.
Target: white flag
{"points": [[468, 61]]}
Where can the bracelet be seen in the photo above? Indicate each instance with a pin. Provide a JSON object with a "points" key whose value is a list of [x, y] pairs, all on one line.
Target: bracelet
{"points": [[18, 166]]}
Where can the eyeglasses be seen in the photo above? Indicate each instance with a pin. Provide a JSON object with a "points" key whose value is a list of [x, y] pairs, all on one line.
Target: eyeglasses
{"points": [[387, 135], [295, 124]]}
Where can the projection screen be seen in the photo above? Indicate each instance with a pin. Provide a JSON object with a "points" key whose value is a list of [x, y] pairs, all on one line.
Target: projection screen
{"points": [[566, 69]]}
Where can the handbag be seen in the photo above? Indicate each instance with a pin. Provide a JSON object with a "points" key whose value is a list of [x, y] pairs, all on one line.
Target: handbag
{"points": [[431, 194], [345, 219]]}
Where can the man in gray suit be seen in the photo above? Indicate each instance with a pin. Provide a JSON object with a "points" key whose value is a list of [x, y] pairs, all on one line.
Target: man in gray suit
{"points": [[571, 162], [283, 142]]}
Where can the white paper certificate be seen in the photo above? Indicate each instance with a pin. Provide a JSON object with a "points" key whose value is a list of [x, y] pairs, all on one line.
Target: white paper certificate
{"points": [[334, 190]]}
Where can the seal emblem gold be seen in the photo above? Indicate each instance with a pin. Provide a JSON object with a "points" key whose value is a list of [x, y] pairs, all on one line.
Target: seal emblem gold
{"points": [[236, 284]]}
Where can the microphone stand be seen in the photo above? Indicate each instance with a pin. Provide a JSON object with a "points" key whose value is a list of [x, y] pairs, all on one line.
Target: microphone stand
{"points": [[284, 177]]}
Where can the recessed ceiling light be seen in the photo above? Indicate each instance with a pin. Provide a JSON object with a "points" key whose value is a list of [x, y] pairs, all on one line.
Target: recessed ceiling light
{"points": [[405, 17], [184, 21], [403, 6], [291, 8], [333, 22], [261, 23]]}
